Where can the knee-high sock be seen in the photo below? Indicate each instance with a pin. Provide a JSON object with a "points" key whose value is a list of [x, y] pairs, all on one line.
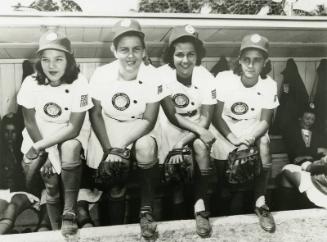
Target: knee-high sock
{"points": [[261, 183], [71, 179], [201, 189], [149, 180], [54, 211]]}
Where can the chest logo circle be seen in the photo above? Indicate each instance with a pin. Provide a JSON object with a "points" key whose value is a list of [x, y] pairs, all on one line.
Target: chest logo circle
{"points": [[239, 108], [181, 100], [53, 110], [120, 101]]}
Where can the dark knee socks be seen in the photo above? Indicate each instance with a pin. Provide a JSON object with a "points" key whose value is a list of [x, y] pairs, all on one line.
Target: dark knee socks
{"points": [[261, 183], [149, 179], [71, 177], [201, 188]]}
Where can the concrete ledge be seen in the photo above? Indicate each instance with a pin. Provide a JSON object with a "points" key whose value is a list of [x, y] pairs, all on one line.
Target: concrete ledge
{"points": [[296, 225]]}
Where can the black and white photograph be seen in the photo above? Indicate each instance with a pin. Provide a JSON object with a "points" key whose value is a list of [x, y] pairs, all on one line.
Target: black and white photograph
{"points": [[163, 120]]}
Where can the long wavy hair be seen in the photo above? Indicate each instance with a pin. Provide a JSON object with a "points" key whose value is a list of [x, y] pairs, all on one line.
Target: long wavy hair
{"points": [[70, 75], [170, 50]]}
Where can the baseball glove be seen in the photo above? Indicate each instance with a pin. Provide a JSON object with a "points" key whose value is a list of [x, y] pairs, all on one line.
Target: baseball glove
{"points": [[243, 165], [180, 172], [113, 173]]}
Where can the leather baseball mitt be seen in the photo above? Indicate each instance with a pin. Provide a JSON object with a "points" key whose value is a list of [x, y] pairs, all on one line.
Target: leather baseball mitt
{"points": [[180, 172], [113, 173], [243, 165]]}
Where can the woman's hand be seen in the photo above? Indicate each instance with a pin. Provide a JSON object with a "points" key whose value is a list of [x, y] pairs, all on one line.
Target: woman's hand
{"points": [[176, 159], [47, 169], [247, 140], [207, 137]]}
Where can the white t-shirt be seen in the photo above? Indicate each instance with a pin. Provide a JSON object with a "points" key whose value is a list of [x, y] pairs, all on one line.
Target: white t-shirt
{"points": [[126, 100]]}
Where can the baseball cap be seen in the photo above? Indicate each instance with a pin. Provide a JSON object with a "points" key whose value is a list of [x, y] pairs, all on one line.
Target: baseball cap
{"points": [[255, 41], [127, 25], [55, 41], [181, 31]]}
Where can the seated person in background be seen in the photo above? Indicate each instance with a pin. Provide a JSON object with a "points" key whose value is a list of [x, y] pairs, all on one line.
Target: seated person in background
{"points": [[307, 152], [303, 141], [13, 198]]}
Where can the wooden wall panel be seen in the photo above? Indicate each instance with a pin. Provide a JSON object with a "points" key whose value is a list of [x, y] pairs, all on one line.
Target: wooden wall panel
{"points": [[11, 72]]}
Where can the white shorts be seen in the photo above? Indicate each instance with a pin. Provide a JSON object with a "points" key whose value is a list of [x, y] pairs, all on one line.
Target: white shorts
{"points": [[116, 132], [6, 195], [306, 185]]}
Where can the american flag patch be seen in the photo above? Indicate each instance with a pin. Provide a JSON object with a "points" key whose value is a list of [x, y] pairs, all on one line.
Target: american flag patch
{"points": [[159, 89], [84, 100], [214, 94]]}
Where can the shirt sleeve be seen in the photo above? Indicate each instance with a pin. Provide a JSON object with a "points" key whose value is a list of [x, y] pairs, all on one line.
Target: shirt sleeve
{"points": [[156, 86], [94, 85], [209, 92], [81, 97], [271, 99], [220, 86], [26, 94]]}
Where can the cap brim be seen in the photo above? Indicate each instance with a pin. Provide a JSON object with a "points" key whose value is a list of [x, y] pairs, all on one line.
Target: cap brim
{"points": [[139, 33], [254, 47], [184, 35], [52, 47]]}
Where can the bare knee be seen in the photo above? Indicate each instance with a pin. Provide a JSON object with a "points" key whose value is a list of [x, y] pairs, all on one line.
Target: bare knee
{"points": [[70, 150], [52, 191], [200, 148], [146, 151], [201, 154]]}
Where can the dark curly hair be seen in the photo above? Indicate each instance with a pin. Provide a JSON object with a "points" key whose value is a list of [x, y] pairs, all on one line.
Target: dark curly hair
{"points": [[170, 50], [131, 33], [265, 70], [71, 72]]}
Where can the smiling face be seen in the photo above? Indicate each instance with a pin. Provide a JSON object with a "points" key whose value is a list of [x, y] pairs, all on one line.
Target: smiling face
{"points": [[252, 62], [185, 57], [54, 63], [129, 52]]}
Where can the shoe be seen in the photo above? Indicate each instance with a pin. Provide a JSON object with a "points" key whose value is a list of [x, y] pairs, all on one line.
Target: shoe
{"points": [[148, 226], [266, 219], [203, 227], [69, 224]]}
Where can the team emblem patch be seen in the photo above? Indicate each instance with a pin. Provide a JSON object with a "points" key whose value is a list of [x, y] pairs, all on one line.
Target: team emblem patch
{"points": [[51, 36], [120, 101], [189, 29], [84, 100], [239, 108], [181, 100], [255, 38], [53, 110], [126, 23]]}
